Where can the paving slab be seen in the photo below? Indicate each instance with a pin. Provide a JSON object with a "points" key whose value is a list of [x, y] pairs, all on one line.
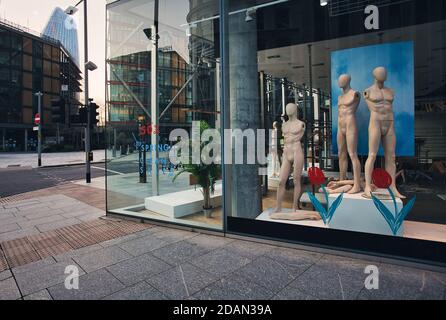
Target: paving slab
{"points": [[179, 252], [323, 282], [138, 269], [220, 262], [182, 282], [396, 283], [43, 295], [140, 291], [143, 245], [270, 273], [92, 286], [9, 290], [36, 280], [102, 258], [234, 288]]}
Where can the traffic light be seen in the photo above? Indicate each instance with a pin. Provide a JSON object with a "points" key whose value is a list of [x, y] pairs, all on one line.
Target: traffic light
{"points": [[58, 110], [94, 114], [83, 116]]}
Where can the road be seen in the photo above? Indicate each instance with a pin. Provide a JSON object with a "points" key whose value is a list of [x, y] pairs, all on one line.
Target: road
{"points": [[19, 180]]}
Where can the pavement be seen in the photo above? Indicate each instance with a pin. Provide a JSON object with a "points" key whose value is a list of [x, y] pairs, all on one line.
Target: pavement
{"points": [[48, 159], [49, 234]]}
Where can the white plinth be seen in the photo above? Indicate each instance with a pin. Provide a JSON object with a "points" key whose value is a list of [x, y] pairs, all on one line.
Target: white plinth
{"points": [[359, 214], [181, 204]]}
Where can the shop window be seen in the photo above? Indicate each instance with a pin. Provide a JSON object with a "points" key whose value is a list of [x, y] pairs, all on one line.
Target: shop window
{"points": [[129, 122]]}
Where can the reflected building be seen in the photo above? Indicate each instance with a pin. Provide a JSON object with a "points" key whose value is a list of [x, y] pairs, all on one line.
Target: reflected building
{"points": [[62, 27]]}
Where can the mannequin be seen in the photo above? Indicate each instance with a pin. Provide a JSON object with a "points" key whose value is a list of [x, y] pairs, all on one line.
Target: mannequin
{"points": [[348, 132], [381, 129], [293, 131]]}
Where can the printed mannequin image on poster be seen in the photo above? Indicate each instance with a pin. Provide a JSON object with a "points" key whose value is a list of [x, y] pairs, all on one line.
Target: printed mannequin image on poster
{"points": [[380, 100], [348, 132], [275, 146], [293, 157]]}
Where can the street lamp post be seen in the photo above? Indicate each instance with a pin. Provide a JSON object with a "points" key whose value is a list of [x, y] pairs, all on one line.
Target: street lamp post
{"points": [[89, 66]]}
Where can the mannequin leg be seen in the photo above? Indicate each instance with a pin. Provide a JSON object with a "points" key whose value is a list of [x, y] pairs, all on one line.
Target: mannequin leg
{"points": [[374, 141], [298, 168], [389, 144], [343, 155], [352, 146], [284, 175]]}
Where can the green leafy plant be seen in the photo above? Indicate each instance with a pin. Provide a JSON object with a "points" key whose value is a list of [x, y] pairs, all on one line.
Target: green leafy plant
{"points": [[205, 175]]}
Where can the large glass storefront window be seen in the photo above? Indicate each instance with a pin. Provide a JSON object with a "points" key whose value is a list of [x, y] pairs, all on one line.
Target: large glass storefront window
{"points": [[328, 120], [354, 117], [144, 124]]}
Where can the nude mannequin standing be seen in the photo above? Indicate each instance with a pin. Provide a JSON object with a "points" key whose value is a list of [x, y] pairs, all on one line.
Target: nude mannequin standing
{"points": [[381, 129], [293, 131], [348, 132]]}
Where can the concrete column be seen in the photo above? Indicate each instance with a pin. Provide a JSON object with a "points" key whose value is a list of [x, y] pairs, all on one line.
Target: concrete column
{"points": [[26, 140], [245, 111]]}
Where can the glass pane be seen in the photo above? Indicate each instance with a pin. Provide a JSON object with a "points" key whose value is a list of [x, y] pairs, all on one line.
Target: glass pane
{"points": [[152, 183], [337, 99]]}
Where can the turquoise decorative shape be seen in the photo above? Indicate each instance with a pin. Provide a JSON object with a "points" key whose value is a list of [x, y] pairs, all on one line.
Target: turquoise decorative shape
{"points": [[326, 214], [394, 221]]}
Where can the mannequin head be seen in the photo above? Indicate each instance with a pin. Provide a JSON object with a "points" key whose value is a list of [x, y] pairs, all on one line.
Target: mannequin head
{"points": [[344, 81], [291, 110], [380, 74]]}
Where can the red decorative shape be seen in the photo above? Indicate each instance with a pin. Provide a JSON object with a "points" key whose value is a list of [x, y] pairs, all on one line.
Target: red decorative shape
{"points": [[316, 176], [381, 178]]}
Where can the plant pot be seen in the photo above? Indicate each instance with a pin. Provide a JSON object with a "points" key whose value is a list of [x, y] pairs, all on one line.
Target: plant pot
{"points": [[208, 212]]}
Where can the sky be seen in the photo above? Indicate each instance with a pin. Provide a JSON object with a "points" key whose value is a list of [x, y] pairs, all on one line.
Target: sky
{"points": [[35, 14]]}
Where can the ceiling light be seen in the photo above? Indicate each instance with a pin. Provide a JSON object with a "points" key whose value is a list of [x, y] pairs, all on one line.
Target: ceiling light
{"points": [[324, 3]]}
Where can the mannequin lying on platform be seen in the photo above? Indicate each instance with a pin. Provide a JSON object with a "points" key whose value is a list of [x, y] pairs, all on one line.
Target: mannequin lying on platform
{"points": [[335, 187]]}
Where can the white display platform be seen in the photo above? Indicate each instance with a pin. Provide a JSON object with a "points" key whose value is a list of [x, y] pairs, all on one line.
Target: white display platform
{"points": [[266, 216], [359, 214], [184, 203]]}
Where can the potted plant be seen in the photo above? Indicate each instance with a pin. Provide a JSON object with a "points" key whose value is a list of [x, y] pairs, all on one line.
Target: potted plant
{"points": [[204, 175]]}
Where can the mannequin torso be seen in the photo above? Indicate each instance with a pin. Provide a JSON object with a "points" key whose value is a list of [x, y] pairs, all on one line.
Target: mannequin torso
{"points": [[293, 131], [380, 103]]}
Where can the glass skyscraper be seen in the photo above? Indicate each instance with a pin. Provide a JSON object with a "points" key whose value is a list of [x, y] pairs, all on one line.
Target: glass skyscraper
{"points": [[62, 27]]}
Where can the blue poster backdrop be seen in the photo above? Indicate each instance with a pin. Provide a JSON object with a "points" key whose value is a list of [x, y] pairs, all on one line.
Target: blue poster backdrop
{"points": [[359, 63]]}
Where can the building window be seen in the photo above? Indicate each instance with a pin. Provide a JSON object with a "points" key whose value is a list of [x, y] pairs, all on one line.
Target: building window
{"points": [[27, 62], [28, 45], [27, 80]]}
